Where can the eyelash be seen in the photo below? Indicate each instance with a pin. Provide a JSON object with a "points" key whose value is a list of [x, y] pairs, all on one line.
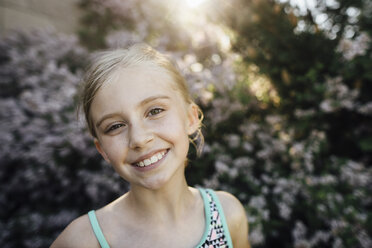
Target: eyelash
{"points": [[157, 110], [114, 127], [150, 113]]}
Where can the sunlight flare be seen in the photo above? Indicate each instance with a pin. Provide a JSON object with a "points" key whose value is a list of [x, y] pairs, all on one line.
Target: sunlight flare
{"points": [[194, 3]]}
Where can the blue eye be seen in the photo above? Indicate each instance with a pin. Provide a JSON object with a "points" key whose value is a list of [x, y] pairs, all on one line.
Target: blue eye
{"points": [[155, 111]]}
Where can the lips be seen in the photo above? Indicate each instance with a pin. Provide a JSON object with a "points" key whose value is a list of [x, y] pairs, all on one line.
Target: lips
{"points": [[150, 159]]}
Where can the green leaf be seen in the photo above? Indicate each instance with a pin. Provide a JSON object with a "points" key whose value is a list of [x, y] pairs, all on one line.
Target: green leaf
{"points": [[366, 144]]}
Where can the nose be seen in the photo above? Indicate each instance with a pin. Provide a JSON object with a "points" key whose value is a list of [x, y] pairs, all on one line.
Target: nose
{"points": [[139, 136]]}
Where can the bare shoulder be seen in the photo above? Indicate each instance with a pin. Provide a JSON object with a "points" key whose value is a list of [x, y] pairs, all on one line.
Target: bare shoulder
{"points": [[236, 218], [232, 207], [77, 234]]}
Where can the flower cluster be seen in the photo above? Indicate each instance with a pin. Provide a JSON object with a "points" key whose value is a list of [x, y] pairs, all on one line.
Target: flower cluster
{"points": [[350, 48], [284, 180], [297, 188], [43, 147]]}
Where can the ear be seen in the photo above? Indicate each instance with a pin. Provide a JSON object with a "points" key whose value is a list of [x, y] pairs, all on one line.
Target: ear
{"points": [[100, 150], [193, 118]]}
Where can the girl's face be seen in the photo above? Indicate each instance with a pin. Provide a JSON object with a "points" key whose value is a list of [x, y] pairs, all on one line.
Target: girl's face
{"points": [[142, 125]]}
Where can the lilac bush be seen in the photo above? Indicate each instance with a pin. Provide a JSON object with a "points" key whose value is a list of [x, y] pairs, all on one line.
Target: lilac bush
{"points": [[49, 167], [280, 181], [297, 189]]}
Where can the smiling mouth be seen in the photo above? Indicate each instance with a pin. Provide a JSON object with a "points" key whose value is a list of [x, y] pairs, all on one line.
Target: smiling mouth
{"points": [[152, 160]]}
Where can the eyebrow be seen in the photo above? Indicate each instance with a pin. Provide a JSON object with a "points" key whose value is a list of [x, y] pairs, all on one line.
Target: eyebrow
{"points": [[143, 102]]}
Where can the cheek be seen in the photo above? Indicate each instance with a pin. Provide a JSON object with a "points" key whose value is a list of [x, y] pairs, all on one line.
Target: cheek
{"points": [[115, 146], [174, 129]]}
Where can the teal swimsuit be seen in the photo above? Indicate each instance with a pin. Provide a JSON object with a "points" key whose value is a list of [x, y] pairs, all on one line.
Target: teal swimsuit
{"points": [[216, 234]]}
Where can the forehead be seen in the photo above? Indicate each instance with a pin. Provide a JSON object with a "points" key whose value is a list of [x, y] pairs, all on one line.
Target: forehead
{"points": [[140, 78], [128, 86]]}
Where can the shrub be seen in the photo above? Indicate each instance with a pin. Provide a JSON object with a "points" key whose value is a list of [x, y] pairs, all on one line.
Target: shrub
{"points": [[50, 172]]}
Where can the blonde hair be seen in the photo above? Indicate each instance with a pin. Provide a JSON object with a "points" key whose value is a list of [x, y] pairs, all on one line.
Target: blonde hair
{"points": [[106, 63]]}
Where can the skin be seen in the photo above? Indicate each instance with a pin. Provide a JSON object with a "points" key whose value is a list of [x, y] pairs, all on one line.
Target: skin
{"points": [[134, 119]]}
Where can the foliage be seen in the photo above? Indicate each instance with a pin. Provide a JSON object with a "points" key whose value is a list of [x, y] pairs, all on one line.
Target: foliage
{"points": [[287, 115], [132, 19], [304, 151], [47, 159]]}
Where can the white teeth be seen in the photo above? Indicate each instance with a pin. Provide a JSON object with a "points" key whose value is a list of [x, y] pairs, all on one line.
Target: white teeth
{"points": [[155, 158]]}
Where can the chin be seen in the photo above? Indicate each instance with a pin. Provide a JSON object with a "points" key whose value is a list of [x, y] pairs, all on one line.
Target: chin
{"points": [[155, 184]]}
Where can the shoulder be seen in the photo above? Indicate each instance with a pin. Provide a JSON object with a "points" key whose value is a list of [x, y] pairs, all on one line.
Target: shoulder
{"points": [[231, 205], [235, 217], [77, 234]]}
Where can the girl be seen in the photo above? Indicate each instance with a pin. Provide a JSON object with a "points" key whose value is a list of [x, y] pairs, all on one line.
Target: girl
{"points": [[141, 116]]}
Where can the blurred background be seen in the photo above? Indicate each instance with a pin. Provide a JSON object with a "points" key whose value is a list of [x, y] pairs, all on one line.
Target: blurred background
{"points": [[285, 86]]}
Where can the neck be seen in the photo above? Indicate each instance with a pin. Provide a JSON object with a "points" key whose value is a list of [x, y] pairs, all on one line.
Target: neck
{"points": [[168, 203]]}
